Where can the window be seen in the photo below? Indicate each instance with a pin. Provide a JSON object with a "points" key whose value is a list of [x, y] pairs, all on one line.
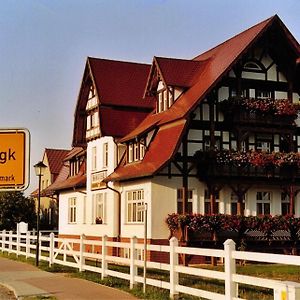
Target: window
{"points": [[142, 148], [263, 94], [263, 203], [207, 208], [92, 120], [136, 150], [72, 210], [74, 167], [180, 201], [165, 98], [99, 200], [94, 158], [105, 155], [130, 152], [263, 142], [285, 204], [252, 66], [134, 201], [234, 202], [206, 143]]}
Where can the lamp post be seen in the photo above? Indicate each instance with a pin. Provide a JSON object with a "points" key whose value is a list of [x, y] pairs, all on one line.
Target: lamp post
{"points": [[39, 171]]}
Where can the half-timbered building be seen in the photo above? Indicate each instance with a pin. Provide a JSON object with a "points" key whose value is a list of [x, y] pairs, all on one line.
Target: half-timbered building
{"points": [[218, 133], [224, 136]]}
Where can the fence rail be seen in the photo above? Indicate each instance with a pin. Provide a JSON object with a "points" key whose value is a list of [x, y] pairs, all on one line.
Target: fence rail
{"points": [[82, 255]]}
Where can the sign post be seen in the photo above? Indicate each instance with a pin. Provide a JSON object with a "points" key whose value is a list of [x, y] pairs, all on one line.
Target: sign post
{"points": [[14, 159]]}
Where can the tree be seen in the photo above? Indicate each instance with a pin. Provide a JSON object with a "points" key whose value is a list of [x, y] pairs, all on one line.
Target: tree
{"points": [[15, 208]]}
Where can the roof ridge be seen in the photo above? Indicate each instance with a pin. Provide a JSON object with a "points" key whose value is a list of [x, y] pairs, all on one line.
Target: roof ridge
{"points": [[117, 61], [237, 35]]}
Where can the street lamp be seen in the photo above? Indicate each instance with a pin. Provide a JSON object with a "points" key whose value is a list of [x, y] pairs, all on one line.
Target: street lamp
{"points": [[39, 171]]}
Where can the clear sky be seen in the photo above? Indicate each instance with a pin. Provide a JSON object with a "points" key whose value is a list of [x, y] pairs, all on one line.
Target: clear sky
{"points": [[44, 45]]}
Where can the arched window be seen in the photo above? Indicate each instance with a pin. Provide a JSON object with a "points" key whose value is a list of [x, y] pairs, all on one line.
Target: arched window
{"points": [[254, 65]]}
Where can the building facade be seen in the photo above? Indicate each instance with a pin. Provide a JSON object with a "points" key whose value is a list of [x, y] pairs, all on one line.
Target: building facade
{"points": [[218, 133]]}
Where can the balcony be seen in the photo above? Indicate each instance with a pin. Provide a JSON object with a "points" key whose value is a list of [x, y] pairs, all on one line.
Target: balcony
{"points": [[259, 111], [250, 166], [97, 180]]}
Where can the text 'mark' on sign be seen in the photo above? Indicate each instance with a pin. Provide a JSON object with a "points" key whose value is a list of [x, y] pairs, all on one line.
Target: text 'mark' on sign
{"points": [[14, 159]]}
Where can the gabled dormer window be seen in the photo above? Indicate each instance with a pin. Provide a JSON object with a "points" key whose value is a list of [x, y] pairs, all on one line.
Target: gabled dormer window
{"points": [[74, 166], [165, 97], [136, 150]]}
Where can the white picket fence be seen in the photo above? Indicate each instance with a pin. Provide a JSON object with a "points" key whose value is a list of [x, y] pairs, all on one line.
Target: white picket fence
{"points": [[78, 253]]}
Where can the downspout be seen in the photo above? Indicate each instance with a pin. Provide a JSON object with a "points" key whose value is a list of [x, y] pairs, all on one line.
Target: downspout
{"points": [[119, 215], [118, 193]]}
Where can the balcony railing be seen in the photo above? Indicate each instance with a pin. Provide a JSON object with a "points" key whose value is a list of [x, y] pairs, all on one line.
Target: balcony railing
{"points": [[251, 164], [259, 111], [97, 180]]}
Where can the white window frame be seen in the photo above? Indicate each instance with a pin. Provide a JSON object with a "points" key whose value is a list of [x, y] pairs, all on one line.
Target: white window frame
{"points": [[134, 200], [142, 148], [263, 198], [94, 158], [130, 152], [105, 155], [72, 210], [99, 207], [285, 199]]}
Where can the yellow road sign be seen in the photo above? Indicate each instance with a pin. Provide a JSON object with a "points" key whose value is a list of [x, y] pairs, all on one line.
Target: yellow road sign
{"points": [[14, 159]]}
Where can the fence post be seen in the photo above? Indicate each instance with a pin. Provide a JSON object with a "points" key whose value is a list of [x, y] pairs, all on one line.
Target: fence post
{"points": [[133, 268], [103, 261], [81, 255], [27, 244], [174, 278], [40, 245], [3, 239], [51, 249], [230, 268], [10, 240], [18, 243]]}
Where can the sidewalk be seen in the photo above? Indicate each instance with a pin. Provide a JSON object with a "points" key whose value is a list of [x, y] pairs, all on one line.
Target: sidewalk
{"points": [[27, 280]]}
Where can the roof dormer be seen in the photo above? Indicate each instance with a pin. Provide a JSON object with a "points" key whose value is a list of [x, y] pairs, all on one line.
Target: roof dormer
{"points": [[169, 78]]}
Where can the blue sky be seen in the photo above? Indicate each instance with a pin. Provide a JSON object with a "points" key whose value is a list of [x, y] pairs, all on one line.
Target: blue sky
{"points": [[44, 45]]}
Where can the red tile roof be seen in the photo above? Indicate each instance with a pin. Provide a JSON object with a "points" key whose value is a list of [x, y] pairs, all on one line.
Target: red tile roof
{"points": [[55, 159], [76, 151], [120, 87], [215, 63], [65, 182], [118, 122], [178, 72], [156, 156], [120, 83]]}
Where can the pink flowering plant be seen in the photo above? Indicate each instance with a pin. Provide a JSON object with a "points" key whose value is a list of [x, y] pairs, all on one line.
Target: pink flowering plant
{"points": [[257, 158], [279, 107]]}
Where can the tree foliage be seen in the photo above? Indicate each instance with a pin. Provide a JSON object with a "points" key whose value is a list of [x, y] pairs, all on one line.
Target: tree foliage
{"points": [[15, 208]]}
